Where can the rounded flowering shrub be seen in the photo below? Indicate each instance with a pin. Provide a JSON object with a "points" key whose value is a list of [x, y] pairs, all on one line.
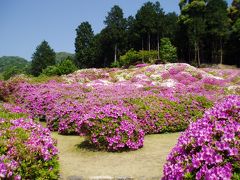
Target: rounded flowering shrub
{"points": [[64, 117], [27, 151], [210, 147], [112, 128], [159, 114]]}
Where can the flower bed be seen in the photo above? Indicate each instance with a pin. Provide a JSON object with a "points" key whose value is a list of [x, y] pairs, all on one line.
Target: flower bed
{"points": [[164, 98], [210, 147]]}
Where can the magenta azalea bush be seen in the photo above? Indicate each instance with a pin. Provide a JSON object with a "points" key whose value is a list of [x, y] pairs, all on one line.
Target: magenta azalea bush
{"points": [[210, 147], [113, 128]]}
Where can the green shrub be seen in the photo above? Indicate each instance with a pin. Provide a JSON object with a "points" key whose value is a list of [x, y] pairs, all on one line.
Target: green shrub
{"points": [[148, 56], [168, 52], [51, 71], [11, 71], [130, 57], [133, 56], [64, 67]]}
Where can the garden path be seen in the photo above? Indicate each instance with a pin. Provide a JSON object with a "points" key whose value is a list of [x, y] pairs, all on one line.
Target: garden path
{"points": [[145, 163]]}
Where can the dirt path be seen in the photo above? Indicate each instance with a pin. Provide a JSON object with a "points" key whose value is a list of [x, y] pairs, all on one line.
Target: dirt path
{"points": [[146, 163]]}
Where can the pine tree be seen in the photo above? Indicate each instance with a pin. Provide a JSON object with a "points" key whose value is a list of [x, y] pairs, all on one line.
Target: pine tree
{"points": [[43, 57]]}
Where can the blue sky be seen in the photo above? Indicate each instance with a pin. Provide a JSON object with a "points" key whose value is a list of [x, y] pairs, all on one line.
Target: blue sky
{"points": [[24, 24]]}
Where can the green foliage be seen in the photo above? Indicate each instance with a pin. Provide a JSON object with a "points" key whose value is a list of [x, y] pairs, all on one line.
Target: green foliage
{"points": [[64, 67], [234, 11], [114, 34], [11, 71], [9, 115], [192, 16], [43, 57], [84, 46], [130, 57], [168, 53], [51, 71], [133, 56], [236, 28], [170, 25], [148, 56], [146, 18]]}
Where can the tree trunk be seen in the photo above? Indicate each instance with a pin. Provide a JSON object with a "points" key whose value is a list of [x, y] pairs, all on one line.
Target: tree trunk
{"points": [[115, 53], [195, 52], [105, 62], [198, 54], [221, 51], [149, 42], [212, 51], [142, 50], [158, 46]]}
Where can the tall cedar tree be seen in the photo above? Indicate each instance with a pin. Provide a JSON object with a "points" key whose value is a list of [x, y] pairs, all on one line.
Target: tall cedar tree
{"points": [[233, 44], [115, 31], [43, 57], [217, 24], [146, 22], [84, 46], [192, 16]]}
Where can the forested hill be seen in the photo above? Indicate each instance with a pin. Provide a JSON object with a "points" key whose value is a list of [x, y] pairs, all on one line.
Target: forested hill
{"points": [[60, 56], [11, 61]]}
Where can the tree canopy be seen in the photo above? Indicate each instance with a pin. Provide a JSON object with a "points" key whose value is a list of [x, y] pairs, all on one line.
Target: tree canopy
{"points": [[84, 46], [43, 57]]}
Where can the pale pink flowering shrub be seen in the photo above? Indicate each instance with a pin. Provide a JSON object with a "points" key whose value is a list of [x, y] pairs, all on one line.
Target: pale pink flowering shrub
{"points": [[210, 147]]}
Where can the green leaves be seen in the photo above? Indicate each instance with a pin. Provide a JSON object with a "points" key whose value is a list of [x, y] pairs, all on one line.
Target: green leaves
{"points": [[168, 53], [64, 67]]}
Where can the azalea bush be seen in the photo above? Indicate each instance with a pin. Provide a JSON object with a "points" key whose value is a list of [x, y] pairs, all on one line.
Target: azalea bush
{"points": [[210, 147], [112, 128], [27, 150], [158, 114]]}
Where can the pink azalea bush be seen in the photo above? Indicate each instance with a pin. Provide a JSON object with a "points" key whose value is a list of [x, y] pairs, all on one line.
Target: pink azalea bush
{"points": [[27, 150], [159, 114], [113, 128], [210, 147]]}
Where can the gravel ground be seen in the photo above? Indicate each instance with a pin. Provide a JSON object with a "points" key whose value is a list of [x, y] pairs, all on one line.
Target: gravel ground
{"points": [[145, 163]]}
